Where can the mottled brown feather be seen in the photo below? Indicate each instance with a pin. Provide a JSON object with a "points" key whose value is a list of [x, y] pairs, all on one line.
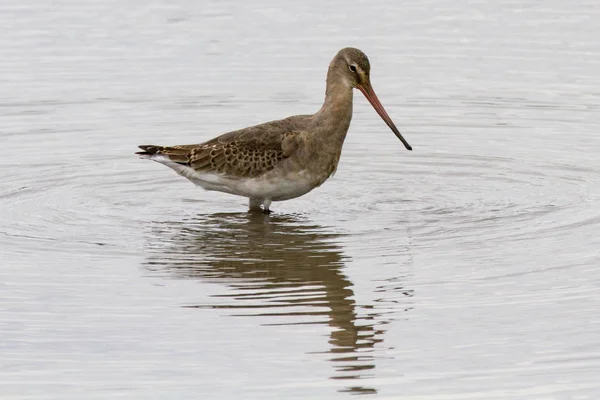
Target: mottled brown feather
{"points": [[248, 152]]}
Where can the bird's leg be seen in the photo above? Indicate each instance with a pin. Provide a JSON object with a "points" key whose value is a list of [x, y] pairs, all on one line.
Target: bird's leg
{"points": [[266, 204], [254, 205]]}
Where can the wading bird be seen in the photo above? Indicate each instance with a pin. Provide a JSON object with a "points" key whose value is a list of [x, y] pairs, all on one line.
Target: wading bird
{"points": [[283, 159]]}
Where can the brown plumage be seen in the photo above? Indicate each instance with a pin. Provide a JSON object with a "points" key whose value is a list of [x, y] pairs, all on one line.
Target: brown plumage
{"points": [[244, 153], [281, 159]]}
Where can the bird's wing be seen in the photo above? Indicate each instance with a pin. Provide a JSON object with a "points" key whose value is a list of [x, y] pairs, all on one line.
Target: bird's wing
{"points": [[249, 152]]}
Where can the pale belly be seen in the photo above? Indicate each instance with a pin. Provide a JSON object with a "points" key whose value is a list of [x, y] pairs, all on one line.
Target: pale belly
{"points": [[273, 187]]}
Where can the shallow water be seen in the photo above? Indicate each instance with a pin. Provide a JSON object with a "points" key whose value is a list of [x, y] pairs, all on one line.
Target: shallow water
{"points": [[466, 269]]}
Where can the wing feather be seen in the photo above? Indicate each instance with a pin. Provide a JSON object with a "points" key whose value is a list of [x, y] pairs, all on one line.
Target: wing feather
{"points": [[248, 152]]}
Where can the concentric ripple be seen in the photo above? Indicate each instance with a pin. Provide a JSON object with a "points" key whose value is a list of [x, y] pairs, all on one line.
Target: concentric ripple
{"points": [[465, 269]]}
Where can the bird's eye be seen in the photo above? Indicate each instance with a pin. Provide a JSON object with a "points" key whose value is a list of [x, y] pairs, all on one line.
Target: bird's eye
{"points": [[353, 68]]}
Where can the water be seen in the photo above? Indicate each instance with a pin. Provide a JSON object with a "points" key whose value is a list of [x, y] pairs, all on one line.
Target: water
{"points": [[466, 269]]}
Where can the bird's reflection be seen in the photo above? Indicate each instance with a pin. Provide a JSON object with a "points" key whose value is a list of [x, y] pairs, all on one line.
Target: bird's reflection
{"points": [[283, 267]]}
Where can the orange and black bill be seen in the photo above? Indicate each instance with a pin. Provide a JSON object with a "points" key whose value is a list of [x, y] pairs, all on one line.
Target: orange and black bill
{"points": [[369, 93]]}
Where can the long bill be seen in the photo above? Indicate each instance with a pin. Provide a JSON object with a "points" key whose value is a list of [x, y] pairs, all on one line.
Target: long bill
{"points": [[369, 93]]}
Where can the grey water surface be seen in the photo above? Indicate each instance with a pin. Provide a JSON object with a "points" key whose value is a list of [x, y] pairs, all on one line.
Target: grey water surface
{"points": [[466, 269]]}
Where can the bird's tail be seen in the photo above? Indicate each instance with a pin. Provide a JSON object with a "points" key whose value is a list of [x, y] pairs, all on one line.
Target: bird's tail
{"points": [[175, 154]]}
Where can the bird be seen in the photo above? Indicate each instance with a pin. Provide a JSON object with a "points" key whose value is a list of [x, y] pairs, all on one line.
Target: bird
{"points": [[282, 159]]}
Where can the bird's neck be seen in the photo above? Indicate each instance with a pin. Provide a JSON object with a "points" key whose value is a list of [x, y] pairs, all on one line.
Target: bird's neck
{"points": [[336, 113]]}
